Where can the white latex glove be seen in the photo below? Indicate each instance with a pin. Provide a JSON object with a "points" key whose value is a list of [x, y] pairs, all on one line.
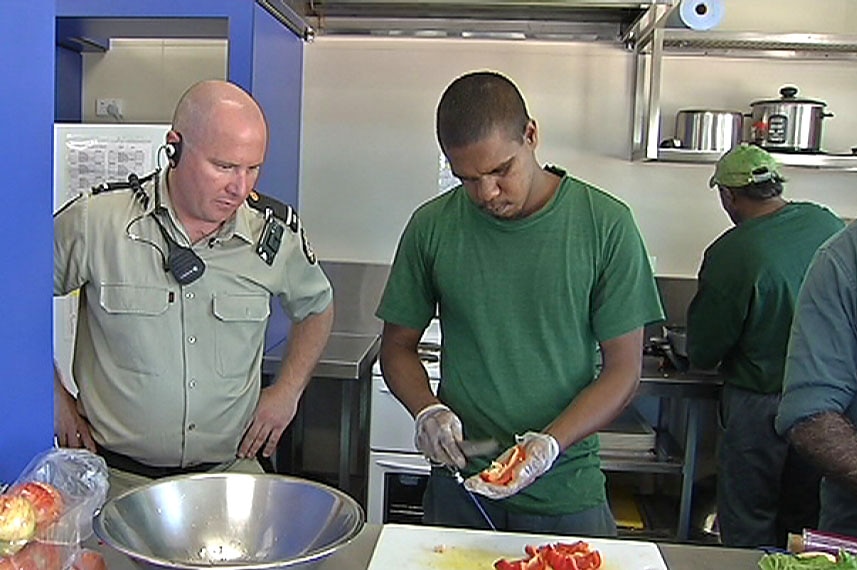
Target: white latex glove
{"points": [[438, 433], [540, 451]]}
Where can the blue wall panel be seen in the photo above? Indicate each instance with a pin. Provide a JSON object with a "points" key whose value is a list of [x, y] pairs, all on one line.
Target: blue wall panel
{"points": [[278, 86], [26, 116], [269, 65], [68, 106]]}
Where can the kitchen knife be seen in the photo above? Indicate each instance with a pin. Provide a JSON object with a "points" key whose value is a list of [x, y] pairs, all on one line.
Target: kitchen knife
{"points": [[459, 478], [479, 447]]}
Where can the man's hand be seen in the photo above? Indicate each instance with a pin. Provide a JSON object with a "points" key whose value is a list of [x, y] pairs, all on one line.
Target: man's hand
{"points": [[70, 428], [277, 406], [438, 434], [278, 403], [540, 450]]}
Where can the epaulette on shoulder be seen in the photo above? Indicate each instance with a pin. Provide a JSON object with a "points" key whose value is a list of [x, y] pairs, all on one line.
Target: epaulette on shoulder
{"points": [[284, 212]]}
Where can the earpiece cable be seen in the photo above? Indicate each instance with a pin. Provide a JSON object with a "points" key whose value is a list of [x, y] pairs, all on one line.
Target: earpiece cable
{"points": [[135, 237]]}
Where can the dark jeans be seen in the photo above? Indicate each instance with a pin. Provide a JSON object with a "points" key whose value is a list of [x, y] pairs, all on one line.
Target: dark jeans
{"points": [[764, 488], [446, 503]]}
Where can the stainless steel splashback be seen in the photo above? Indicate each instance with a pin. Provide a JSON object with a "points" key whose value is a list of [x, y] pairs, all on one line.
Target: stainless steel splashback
{"points": [[676, 294], [357, 289]]}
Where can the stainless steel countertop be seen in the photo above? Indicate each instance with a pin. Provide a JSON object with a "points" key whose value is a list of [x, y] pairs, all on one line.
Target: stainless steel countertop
{"points": [[357, 554], [347, 356], [673, 383]]}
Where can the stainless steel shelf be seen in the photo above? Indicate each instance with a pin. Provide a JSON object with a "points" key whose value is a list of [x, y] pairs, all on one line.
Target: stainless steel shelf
{"points": [[565, 20], [651, 43], [827, 161], [759, 45]]}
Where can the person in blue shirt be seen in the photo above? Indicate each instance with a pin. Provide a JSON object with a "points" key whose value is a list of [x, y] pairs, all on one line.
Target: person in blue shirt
{"points": [[819, 408]]}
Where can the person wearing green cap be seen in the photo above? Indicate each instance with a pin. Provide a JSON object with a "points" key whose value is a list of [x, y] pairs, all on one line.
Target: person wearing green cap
{"points": [[739, 321]]}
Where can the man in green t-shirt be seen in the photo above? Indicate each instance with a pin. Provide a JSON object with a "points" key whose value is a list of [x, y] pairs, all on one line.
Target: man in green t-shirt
{"points": [[531, 272], [740, 319]]}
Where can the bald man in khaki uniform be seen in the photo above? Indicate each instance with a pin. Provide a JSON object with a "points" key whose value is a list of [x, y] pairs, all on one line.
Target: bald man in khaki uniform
{"points": [[175, 280]]}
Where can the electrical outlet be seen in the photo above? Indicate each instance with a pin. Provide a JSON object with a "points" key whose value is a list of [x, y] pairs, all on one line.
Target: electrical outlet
{"points": [[108, 106]]}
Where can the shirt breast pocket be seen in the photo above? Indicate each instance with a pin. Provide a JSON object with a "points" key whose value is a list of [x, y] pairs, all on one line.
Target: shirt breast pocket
{"points": [[135, 329], [239, 330]]}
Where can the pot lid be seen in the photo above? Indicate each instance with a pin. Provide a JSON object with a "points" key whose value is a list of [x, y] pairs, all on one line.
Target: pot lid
{"points": [[788, 95], [713, 111]]}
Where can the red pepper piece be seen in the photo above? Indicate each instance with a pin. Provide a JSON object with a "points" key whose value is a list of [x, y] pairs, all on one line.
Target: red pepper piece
{"points": [[502, 473]]}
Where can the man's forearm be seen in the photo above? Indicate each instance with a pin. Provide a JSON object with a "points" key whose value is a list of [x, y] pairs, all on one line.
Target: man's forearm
{"points": [[406, 377], [829, 440], [307, 340]]}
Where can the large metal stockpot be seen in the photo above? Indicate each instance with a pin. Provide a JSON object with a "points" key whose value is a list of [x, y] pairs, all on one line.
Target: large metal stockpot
{"points": [[787, 124], [701, 129]]}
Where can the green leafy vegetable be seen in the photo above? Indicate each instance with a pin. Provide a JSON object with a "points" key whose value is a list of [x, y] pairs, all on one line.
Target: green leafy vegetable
{"points": [[845, 561]]}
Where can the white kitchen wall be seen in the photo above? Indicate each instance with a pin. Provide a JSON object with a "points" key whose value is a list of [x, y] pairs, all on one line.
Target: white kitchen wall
{"points": [[370, 155], [808, 16]]}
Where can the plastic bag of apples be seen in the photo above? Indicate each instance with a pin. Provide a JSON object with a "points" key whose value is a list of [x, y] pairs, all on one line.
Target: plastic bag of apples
{"points": [[46, 514]]}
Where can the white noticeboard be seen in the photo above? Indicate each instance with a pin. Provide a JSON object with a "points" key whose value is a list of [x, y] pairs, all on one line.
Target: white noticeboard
{"points": [[86, 155]]}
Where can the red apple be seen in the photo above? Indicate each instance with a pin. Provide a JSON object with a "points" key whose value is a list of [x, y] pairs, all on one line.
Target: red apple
{"points": [[35, 556], [17, 523], [89, 560], [45, 498]]}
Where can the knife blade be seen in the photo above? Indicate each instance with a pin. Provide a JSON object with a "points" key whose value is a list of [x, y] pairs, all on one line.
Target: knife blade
{"points": [[459, 478], [479, 447]]}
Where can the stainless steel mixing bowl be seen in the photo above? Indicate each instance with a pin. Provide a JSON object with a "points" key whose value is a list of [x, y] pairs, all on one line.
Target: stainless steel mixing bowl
{"points": [[229, 520]]}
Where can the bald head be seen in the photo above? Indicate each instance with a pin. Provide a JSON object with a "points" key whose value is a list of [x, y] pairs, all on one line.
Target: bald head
{"points": [[203, 106], [224, 136]]}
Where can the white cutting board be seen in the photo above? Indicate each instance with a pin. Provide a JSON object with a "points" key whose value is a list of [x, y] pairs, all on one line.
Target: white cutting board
{"points": [[406, 547]]}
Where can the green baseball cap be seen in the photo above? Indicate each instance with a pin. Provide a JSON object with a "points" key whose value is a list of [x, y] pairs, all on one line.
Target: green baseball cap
{"points": [[743, 165]]}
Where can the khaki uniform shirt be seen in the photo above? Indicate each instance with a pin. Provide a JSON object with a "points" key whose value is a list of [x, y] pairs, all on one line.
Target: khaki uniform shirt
{"points": [[168, 374]]}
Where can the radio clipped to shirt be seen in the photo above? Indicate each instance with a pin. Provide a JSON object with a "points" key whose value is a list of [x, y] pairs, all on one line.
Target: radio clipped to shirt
{"points": [[278, 217], [271, 238]]}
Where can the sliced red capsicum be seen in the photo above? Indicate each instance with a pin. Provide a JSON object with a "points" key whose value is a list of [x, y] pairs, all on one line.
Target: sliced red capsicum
{"points": [[559, 556], [502, 473]]}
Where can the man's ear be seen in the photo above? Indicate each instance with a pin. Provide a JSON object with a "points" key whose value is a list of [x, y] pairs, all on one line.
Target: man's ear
{"points": [[531, 133], [727, 196], [174, 147]]}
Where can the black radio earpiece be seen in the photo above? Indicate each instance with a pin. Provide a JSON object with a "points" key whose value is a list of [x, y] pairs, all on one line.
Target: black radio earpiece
{"points": [[174, 150]]}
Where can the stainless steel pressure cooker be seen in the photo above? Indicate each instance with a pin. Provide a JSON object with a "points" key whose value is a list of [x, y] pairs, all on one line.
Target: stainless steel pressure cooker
{"points": [[787, 124], [708, 130]]}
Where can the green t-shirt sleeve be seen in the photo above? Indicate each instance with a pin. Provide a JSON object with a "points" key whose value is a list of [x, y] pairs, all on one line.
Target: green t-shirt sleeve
{"points": [[409, 299], [625, 296]]}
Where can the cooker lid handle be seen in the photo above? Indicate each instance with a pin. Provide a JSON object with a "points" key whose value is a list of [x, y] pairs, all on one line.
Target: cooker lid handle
{"points": [[788, 92]]}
